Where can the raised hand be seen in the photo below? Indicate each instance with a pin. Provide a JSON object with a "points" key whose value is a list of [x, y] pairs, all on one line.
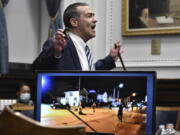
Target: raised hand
{"points": [[59, 42], [115, 50]]}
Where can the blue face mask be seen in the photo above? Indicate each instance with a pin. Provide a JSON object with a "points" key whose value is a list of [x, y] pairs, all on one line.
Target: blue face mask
{"points": [[25, 97]]}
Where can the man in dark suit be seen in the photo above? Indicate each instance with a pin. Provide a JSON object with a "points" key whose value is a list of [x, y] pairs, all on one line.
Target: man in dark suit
{"points": [[66, 51]]}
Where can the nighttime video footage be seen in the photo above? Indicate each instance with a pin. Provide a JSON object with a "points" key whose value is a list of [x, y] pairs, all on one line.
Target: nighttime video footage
{"points": [[104, 104]]}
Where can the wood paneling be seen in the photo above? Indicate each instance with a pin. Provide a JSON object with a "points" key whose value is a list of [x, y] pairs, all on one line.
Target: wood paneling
{"points": [[18, 73], [167, 90]]}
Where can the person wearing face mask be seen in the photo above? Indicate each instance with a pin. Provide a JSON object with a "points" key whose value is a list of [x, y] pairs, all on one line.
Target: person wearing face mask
{"points": [[24, 103], [68, 49], [24, 94]]}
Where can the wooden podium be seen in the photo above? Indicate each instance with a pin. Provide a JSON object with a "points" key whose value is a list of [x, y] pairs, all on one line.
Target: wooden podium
{"points": [[14, 123]]}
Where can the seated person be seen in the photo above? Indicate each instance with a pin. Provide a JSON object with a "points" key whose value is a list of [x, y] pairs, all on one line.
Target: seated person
{"points": [[24, 94], [24, 103]]}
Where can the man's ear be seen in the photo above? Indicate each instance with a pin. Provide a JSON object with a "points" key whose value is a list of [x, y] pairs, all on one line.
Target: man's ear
{"points": [[74, 22]]}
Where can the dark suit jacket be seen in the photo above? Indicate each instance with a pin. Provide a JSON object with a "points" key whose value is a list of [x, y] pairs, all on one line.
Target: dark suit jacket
{"points": [[68, 61]]}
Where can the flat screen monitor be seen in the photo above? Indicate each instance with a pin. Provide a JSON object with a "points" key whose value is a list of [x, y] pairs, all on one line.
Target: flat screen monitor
{"points": [[106, 102]]}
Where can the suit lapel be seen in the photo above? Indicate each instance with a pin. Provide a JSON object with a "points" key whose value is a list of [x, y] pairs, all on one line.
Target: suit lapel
{"points": [[74, 55]]}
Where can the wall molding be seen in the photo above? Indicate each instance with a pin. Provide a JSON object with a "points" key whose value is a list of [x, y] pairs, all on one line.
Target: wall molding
{"points": [[150, 63]]}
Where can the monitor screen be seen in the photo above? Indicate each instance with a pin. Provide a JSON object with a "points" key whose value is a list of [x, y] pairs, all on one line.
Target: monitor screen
{"points": [[107, 102]]}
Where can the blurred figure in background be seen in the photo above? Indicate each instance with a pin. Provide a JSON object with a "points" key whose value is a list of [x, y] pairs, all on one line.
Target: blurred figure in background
{"points": [[24, 94], [24, 103]]}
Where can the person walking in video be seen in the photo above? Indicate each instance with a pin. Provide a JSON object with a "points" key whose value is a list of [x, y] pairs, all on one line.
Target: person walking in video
{"points": [[80, 109], [94, 106], [120, 112]]}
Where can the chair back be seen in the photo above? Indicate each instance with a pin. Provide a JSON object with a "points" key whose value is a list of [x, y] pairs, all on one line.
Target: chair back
{"points": [[15, 123]]}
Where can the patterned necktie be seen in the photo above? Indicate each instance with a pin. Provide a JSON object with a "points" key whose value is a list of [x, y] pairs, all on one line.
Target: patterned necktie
{"points": [[89, 58]]}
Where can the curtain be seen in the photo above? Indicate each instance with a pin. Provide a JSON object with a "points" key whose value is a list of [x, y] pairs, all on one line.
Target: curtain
{"points": [[53, 7], [3, 39]]}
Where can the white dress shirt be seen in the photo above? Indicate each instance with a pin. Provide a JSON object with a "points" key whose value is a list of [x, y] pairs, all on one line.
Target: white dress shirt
{"points": [[80, 47]]}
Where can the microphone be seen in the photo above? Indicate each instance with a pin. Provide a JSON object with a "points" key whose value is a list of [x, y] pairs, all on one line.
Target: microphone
{"points": [[66, 33]]}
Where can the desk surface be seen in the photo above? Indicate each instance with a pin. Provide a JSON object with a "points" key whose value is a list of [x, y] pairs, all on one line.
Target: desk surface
{"points": [[22, 107], [168, 108]]}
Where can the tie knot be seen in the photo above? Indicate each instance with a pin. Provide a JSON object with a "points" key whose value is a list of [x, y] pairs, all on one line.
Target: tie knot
{"points": [[86, 48]]}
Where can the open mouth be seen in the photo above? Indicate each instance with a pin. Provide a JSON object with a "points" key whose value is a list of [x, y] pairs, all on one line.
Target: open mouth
{"points": [[93, 27]]}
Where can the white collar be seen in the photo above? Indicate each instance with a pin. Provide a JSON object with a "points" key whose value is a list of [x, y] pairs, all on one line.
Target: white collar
{"points": [[80, 48], [77, 39]]}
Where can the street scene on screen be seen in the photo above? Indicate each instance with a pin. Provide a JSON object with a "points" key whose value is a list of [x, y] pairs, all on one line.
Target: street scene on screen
{"points": [[104, 105]]}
